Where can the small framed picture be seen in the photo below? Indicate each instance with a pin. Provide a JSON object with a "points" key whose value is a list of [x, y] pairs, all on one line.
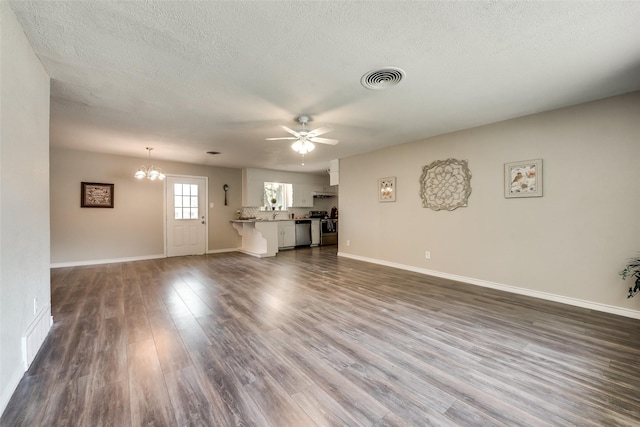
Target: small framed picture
{"points": [[523, 179], [96, 195], [387, 189]]}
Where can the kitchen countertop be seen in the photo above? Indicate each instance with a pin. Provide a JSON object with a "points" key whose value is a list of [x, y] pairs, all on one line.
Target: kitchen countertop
{"points": [[270, 220]]}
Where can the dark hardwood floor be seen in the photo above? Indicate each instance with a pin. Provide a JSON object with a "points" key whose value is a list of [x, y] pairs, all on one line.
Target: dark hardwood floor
{"points": [[310, 339]]}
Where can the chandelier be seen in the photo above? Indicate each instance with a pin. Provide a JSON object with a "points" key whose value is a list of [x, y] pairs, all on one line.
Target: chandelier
{"points": [[149, 172]]}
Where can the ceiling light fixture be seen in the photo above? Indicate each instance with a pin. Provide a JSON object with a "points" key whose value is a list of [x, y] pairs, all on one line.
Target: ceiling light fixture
{"points": [[305, 138], [303, 146], [149, 172]]}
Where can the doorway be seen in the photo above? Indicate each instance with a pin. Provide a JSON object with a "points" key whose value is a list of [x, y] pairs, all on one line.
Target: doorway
{"points": [[186, 215]]}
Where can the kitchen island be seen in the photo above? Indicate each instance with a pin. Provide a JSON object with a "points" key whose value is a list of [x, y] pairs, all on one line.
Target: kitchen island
{"points": [[264, 237], [259, 237]]}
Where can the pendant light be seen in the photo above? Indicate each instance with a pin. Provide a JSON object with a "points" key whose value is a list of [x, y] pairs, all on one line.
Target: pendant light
{"points": [[149, 172]]}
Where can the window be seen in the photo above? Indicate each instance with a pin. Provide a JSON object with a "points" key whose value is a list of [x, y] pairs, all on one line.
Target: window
{"points": [[185, 201], [277, 195]]}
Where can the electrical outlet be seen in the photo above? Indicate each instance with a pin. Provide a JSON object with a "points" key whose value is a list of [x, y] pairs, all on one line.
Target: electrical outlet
{"points": [[35, 306], [348, 242], [427, 254], [211, 205]]}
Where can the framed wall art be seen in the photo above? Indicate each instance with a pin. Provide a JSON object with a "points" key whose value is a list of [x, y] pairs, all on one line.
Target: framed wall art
{"points": [[445, 184], [387, 189], [523, 179], [96, 195]]}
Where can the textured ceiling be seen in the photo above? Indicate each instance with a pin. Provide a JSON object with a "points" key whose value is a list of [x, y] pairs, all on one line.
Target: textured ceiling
{"points": [[191, 77]]}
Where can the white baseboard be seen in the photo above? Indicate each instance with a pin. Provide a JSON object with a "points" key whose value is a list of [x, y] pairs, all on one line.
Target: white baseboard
{"points": [[32, 340], [635, 314], [10, 388], [255, 254], [219, 251], [137, 258], [35, 334], [105, 261]]}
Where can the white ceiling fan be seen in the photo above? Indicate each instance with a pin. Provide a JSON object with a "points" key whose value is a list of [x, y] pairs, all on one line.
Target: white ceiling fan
{"points": [[305, 138]]}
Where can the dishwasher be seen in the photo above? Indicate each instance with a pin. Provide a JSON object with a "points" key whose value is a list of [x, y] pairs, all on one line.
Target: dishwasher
{"points": [[303, 232]]}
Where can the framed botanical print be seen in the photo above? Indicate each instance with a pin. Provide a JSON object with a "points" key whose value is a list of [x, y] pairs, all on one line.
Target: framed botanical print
{"points": [[523, 179], [96, 195], [387, 189]]}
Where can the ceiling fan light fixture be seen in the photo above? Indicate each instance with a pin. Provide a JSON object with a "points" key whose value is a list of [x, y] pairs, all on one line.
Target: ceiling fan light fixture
{"points": [[303, 146], [304, 139], [150, 172]]}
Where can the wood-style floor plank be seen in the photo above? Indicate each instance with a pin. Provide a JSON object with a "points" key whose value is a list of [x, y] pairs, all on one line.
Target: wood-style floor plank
{"points": [[226, 393], [104, 404], [322, 408], [310, 339], [64, 406], [190, 400], [150, 404]]}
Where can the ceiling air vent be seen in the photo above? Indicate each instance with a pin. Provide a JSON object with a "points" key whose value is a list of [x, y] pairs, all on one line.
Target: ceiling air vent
{"points": [[382, 78]]}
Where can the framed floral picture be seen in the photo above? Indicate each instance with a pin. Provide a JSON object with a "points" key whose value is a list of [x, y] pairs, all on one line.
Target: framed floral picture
{"points": [[96, 195], [523, 179], [387, 189]]}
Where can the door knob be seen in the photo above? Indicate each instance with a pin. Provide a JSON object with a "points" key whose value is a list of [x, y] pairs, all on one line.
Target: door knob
{"points": [[203, 222]]}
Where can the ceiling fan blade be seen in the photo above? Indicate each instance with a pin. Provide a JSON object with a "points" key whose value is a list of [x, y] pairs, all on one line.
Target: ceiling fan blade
{"points": [[324, 140], [319, 131], [277, 139], [291, 131]]}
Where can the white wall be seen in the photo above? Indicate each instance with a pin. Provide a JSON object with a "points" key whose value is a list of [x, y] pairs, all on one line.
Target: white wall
{"points": [[134, 228], [24, 195], [571, 243]]}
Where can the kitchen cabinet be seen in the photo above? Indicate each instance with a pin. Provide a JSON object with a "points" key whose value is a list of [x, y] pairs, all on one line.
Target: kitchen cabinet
{"points": [[334, 172], [302, 196], [252, 191], [286, 234], [315, 232]]}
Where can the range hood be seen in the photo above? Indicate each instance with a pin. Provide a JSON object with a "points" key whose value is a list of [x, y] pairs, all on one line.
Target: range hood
{"points": [[323, 195]]}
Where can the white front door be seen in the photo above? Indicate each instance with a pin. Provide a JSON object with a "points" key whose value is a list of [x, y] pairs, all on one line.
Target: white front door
{"points": [[186, 215]]}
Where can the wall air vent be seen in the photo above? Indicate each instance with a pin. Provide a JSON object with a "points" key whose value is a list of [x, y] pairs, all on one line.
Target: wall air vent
{"points": [[382, 78]]}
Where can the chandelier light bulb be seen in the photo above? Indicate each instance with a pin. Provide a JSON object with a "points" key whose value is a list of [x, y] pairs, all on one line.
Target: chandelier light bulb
{"points": [[149, 172]]}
